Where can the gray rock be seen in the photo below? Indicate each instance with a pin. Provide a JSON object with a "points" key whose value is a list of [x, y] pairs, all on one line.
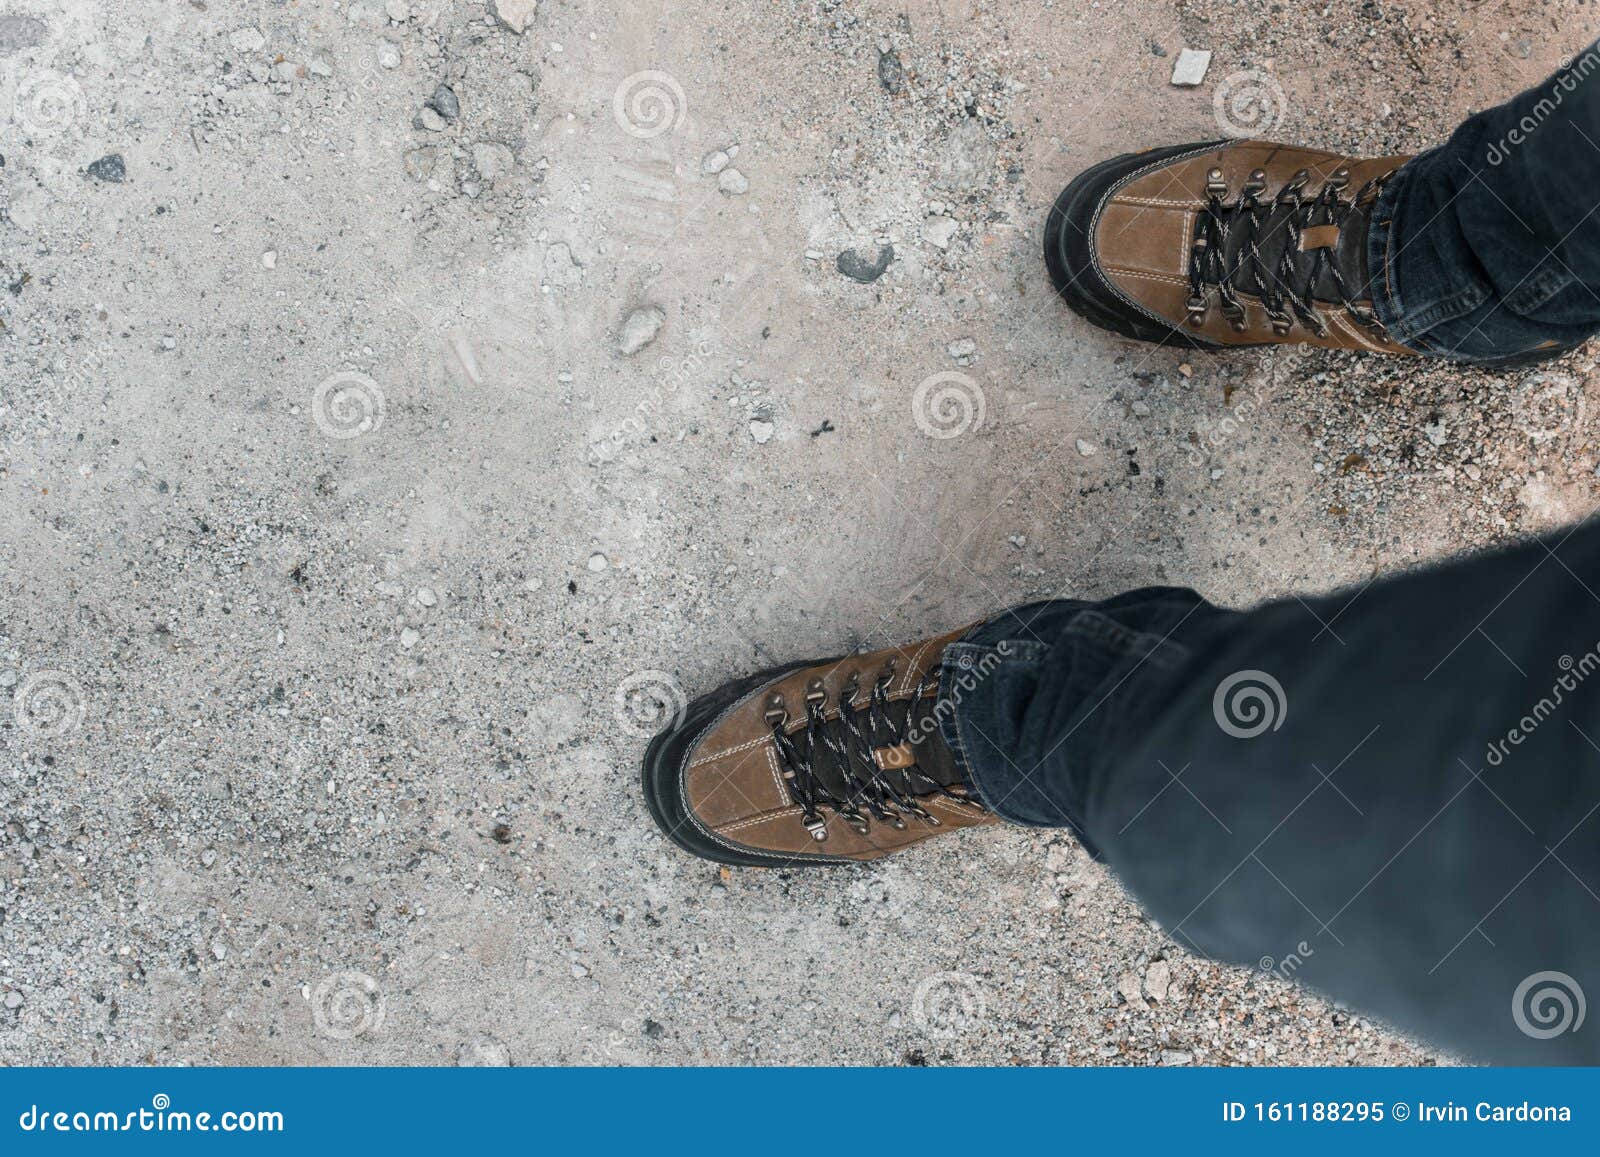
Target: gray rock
{"points": [[1190, 68], [483, 1052], [430, 120], [444, 102], [18, 32], [492, 159], [733, 181], [714, 162], [939, 231], [639, 329], [963, 347], [858, 266], [247, 39], [890, 74], [517, 15], [110, 168]]}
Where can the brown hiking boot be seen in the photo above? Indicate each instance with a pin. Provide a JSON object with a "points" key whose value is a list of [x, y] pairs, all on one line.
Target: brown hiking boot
{"points": [[1227, 243], [821, 762]]}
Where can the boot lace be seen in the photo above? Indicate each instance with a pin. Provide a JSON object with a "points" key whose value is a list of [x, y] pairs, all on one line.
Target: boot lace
{"points": [[851, 735], [1283, 286]]}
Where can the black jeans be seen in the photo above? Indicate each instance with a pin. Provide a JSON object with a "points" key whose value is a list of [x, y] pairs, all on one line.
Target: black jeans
{"points": [[1391, 794], [1489, 247]]}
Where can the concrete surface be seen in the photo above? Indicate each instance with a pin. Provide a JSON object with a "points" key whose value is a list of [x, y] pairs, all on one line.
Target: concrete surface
{"points": [[346, 553]]}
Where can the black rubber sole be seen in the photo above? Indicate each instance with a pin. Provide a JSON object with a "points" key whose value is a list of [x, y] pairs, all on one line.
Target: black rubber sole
{"points": [[663, 760]]}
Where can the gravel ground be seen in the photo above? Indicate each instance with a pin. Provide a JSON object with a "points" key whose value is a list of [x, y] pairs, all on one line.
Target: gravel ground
{"points": [[400, 401]]}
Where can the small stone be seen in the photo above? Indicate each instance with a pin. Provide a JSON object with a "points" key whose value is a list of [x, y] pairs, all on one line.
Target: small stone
{"points": [[714, 162], [533, 584], [285, 71], [110, 168], [13, 1000], [483, 1052], [269, 259], [639, 329], [890, 72], [598, 562], [8, 678], [1140, 410], [1128, 986], [963, 347], [1018, 540], [733, 182], [1190, 67], [1176, 1057], [220, 951], [516, 15], [430, 120], [445, 102], [492, 159], [319, 65], [1156, 49], [653, 1029], [419, 163], [399, 11], [168, 342], [1085, 448], [760, 431], [1157, 979], [1435, 432], [426, 597], [409, 638], [388, 55], [246, 39], [939, 231], [208, 857], [579, 971], [857, 266], [1185, 369]]}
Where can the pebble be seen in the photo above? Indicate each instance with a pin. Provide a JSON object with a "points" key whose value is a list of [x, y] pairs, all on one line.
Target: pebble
{"points": [[533, 584], [963, 347], [8, 678], [733, 181], [1140, 410], [409, 638], [760, 431], [1128, 986], [516, 15], [208, 857], [430, 120], [1158, 979], [13, 1000], [1176, 1057], [483, 1052], [714, 162], [1189, 70], [246, 39], [445, 102], [857, 266], [109, 168], [388, 55], [579, 971], [492, 159], [269, 259], [426, 597], [939, 231], [419, 162], [639, 329], [1085, 448], [598, 562], [890, 72], [399, 11], [168, 342]]}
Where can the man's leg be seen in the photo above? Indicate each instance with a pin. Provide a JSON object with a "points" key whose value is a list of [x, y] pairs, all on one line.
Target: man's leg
{"points": [[1490, 245], [1392, 793]]}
